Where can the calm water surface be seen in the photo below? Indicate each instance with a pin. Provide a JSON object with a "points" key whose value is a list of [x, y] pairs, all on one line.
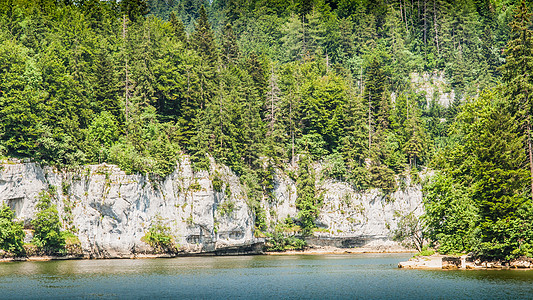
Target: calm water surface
{"points": [[362, 276]]}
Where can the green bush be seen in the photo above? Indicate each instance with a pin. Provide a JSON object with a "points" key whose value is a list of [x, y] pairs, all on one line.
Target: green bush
{"points": [[383, 179], [335, 167], [149, 148], [313, 144], [309, 200], [226, 207], [72, 244], [277, 241], [48, 236], [159, 236], [101, 134], [11, 233], [425, 251], [450, 215], [217, 183]]}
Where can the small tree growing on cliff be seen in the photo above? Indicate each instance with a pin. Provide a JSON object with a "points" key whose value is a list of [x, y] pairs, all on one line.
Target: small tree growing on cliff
{"points": [[159, 236], [11, 233], [47, 227]]}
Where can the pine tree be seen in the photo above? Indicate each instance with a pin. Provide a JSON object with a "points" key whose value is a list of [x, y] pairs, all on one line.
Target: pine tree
{"points": [[354, 144], [517, 74], [134, 9], [106, 92], [315, 33], [256, 71], [308, 202], [230, 49], [19, 101], [293, 39], [376, 97], [203, 39], [178, 29], [272, 101]]}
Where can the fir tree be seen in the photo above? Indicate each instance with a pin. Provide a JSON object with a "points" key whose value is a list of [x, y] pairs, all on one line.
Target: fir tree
{"points": [[517, 74], [178, 29], [230, 49], [203, 39], [308, 202]]}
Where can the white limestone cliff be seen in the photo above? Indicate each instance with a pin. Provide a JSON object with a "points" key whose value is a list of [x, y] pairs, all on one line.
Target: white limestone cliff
{"points": [[111, 211]]}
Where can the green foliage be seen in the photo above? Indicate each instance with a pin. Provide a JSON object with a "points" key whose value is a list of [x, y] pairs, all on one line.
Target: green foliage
{"points": [[335, 167], [160, 237], [101, 134], [48, 236], [308, 201], [481, 202], [450, 215], [217, 183], [226, 208], [383, 178], [244, 83], [149, 148], [72, 244], [425, 251], [11, 233], [410, 231], [280, 241]]}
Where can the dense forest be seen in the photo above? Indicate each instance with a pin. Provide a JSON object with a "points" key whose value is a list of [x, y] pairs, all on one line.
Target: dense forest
{"points": [[259, 85]]}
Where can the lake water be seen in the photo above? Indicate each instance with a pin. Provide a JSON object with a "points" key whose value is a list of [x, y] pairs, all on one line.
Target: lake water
{"points": [[358, 276]]}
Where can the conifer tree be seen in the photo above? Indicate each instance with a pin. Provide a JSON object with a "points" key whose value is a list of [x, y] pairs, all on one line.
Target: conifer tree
{"points": [[293, 39], [203, 39], [230, 49], [375, 97], [178, 29], [517, 74], [308, 202], [315, 33], [134, 9]]}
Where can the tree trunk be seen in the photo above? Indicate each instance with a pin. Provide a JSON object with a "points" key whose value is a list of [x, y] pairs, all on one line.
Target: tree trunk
{"points": [[530, 153], [369, 122], [425, 25], [292, 133], [126, 84], [435, 26]]}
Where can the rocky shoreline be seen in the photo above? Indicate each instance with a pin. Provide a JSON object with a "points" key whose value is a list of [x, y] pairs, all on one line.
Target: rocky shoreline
{"points": [[314, 250], [465, 262]]}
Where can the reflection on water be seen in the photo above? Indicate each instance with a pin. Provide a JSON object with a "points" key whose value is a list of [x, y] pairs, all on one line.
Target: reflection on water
{"points": [[364, 276]]}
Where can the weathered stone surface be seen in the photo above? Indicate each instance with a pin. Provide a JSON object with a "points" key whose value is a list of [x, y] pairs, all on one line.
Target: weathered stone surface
{"points": [[521, 263], [451, 262], [465, 262], [367, 218], [423, 262], [111, 211]]}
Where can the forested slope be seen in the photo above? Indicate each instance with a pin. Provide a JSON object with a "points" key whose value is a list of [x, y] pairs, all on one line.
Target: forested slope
{"points": [[258, 84]]}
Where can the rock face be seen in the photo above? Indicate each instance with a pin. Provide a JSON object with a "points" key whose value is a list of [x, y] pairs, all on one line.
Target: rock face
{"points": [[349, 218], [111, 211], [435, 87]]}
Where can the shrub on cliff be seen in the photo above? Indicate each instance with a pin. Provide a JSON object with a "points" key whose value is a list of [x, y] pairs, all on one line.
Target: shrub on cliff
{"points": [[48, 236], [160, 237], [11, 233], [277, 241]]}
